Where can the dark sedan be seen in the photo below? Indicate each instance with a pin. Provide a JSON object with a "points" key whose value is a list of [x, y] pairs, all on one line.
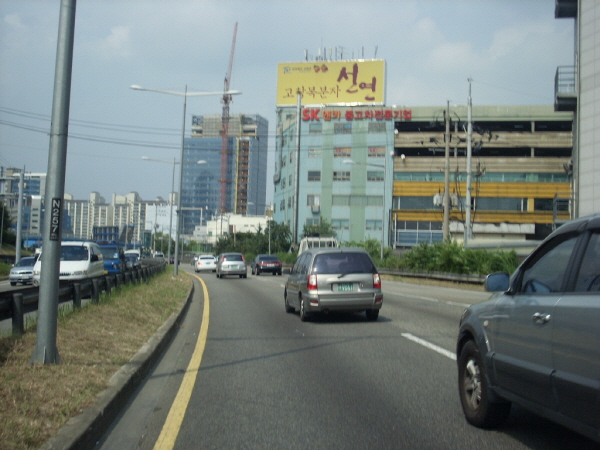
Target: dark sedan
{"points": [[266, 263], [536, 342]]}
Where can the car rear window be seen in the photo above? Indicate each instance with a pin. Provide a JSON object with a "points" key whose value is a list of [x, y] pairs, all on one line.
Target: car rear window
{"points": [[343, 263], [207, 258], [269, 258], [233, 258]]}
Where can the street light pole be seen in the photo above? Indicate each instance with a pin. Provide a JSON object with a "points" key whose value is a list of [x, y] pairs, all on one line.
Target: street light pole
{"points": [[185, 95], [145, 158]]}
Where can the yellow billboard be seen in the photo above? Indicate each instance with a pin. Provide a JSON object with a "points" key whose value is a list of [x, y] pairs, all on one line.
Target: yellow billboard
{"points": [[358, 82]]}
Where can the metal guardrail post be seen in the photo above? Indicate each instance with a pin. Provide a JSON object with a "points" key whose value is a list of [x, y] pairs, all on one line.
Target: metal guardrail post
{"points": [[18, 320], [76, 295], [95, 291]]}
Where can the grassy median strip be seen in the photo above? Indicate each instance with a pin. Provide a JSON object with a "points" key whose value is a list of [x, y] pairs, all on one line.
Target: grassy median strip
{"points": [[93, 343]]}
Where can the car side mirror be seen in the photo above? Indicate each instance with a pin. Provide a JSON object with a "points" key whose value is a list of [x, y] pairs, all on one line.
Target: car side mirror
{"points": [[497, 282]]}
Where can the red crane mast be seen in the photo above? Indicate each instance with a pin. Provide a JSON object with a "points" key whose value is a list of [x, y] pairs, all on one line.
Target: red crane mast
{"points": [[225, 126]]}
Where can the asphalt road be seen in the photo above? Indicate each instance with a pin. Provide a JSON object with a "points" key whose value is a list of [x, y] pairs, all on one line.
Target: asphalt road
{"points": [[266, 380]]}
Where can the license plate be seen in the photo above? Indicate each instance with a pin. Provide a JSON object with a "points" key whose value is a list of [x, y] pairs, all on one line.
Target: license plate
{"points": [[344, 287]]}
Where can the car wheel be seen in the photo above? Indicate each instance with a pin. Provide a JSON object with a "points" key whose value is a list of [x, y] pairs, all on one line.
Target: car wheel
{"points": [[303, 313], [279, 273], [13, 283], [257, 271], [372, 314], [288, 308], [474, 391]]}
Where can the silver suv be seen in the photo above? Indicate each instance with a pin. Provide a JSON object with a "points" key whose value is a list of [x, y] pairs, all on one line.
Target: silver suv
{"points": [[324, 280], [536, 341], [231, 264]]}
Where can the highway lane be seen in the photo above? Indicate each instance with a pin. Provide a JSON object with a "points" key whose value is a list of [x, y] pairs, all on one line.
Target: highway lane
{"points": [[268, 380]]}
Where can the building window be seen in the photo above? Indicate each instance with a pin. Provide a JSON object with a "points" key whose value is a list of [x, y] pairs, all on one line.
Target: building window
{"points": [[340, 224], [314, 152], [375, 175], [314, 175], [376, 152], [500, 204], [413, 202], [376, 127], [342, 128], [315, 128], [373, 225], [313, 222], [341, 175], [282, 205], [342, 152], [357, 200], [313, 200]]}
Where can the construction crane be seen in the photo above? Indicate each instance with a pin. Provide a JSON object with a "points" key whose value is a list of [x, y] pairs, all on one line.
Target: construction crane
{"points": [[225, 126]]}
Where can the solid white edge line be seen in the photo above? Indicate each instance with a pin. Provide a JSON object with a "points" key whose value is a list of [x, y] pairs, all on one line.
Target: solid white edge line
{"points": [[430, 346]]}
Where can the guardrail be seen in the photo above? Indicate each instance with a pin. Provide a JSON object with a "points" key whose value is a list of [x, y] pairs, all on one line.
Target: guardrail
{"points": [[15, 304], [439, 276]]}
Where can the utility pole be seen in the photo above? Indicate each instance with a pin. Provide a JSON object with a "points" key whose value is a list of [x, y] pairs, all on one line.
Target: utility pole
{"points": [[45, 351], [446, 223], [19, 217], [468, 234], [297, 174]]}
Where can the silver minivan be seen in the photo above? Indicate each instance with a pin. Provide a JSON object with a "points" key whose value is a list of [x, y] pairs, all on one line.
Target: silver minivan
{"points": [[326, 280], [536, 341]]}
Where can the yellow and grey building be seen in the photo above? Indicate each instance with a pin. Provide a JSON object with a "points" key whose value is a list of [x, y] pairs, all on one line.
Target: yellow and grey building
{"points": [[521, 173]]}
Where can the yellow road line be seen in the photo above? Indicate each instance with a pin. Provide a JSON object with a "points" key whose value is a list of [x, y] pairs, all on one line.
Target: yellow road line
{"points": [[170, 430]]}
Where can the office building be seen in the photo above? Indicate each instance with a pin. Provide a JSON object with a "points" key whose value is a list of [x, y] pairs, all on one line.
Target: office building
{"points": [[520, 177], [244, 184]]}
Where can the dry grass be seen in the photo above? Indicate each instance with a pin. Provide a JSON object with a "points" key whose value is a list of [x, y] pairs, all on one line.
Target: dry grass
{"points": [[93, 344]]}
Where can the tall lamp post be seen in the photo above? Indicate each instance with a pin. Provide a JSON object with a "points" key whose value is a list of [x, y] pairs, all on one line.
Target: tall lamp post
{"points": [[185, 94], [145, 158], [383, 215]]}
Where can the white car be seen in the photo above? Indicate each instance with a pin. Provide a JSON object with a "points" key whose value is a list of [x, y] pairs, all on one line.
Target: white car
{"points": [[78, 260], [205, 262]]}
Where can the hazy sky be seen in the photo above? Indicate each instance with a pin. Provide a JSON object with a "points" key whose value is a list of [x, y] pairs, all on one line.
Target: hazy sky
{"points": [[510, 48]]}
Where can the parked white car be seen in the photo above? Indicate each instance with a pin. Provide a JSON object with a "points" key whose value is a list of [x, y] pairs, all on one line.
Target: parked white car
{"points": [[78, 260]]}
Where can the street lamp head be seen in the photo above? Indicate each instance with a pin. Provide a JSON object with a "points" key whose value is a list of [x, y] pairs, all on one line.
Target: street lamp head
{"points": [[348, 161], [201, 162], [135, 86]]}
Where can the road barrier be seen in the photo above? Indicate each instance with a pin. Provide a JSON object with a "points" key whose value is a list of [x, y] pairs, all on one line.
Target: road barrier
{"points": [[16, 304]]}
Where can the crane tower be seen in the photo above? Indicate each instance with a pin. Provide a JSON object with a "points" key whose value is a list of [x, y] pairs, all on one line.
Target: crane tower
{"points": [[225, 127]]}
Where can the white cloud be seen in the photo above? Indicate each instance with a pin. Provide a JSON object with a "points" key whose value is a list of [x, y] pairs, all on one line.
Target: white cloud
{"points": [[14, 20], [117, 43]]}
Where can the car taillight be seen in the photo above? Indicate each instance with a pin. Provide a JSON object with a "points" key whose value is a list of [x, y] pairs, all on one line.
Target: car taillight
{"points": [[243, 259], [376, 281], [312, 282]]}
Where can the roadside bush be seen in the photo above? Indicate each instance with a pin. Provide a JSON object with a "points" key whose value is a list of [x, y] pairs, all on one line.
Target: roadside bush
{"points": [[452, 257], [4, 269]]}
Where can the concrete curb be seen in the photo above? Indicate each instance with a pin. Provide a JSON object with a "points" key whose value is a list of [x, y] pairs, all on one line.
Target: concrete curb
{"points": [[84, 431]]}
